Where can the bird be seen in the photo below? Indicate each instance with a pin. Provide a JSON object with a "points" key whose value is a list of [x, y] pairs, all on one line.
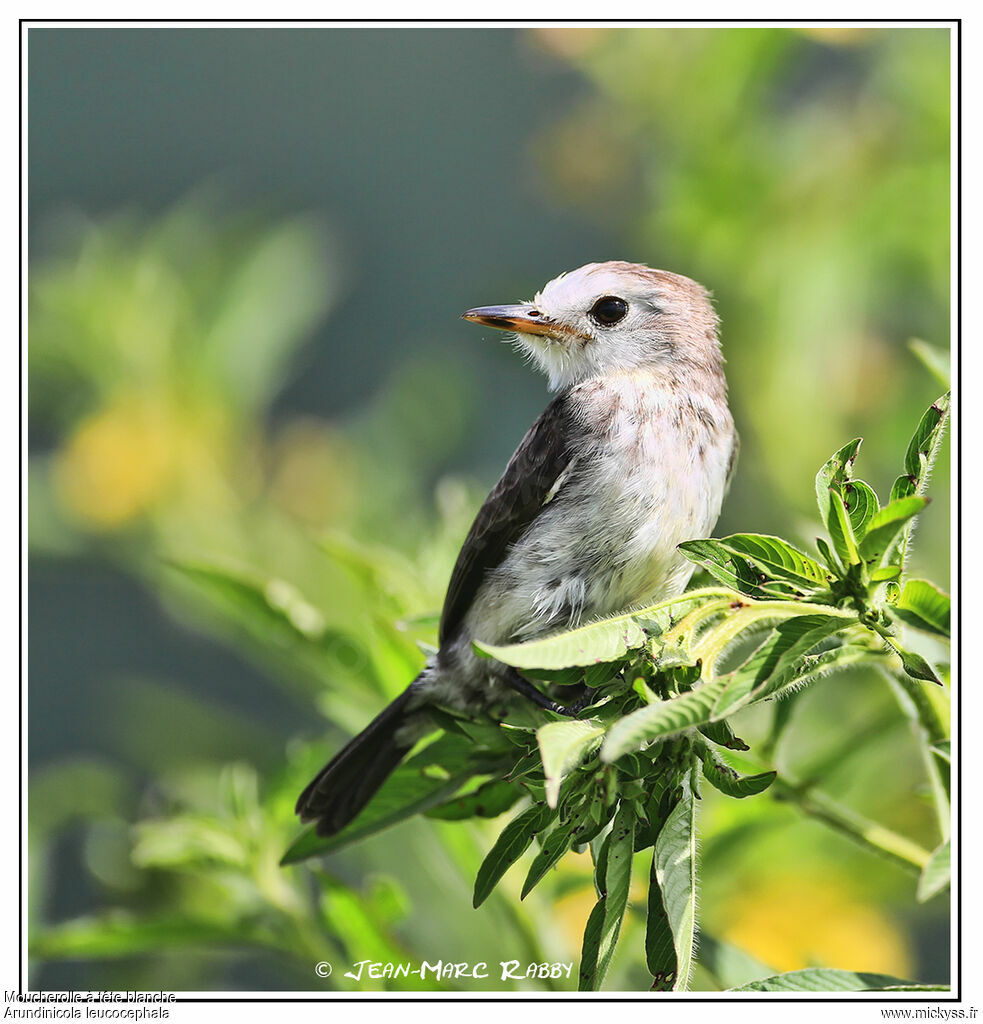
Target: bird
{"points": [[632, 456]]}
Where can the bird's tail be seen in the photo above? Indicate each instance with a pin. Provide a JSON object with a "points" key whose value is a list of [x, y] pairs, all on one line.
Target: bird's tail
{"points": [[351, 778]]}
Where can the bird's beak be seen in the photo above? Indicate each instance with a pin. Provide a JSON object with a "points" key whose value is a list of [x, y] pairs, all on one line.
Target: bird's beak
{"points": [[522, 318]]}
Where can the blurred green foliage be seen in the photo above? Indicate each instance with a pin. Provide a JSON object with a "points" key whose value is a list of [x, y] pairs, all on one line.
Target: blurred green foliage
{"points": [[803, 176]]}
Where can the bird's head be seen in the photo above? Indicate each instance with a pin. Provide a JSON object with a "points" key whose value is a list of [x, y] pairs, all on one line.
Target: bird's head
{"points": [[609, 318]]}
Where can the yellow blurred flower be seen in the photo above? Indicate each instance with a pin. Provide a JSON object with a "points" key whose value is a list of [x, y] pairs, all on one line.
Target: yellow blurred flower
{"points": [[793, 921], [117, 463]]}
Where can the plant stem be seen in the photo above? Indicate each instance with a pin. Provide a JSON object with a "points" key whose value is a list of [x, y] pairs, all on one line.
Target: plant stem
{"points": [[866, 833]]}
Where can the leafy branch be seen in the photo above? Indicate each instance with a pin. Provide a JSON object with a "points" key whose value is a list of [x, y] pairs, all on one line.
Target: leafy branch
{"points": [[662, 684]]}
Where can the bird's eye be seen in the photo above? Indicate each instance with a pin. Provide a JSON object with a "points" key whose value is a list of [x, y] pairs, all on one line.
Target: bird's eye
{"points": [[609, 310]]}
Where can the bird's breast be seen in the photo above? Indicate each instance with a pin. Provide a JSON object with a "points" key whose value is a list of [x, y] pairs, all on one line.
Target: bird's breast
{"points": [[650, 471], [660, 462]]}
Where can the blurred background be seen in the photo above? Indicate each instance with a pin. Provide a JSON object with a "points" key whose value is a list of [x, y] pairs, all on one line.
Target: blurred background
{"points": [[259, 431]]}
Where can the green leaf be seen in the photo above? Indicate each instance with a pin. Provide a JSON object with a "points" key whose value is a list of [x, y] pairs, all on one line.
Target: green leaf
{"points": [[666, 718], [660, 948], [836, 471], [722, 734], [924, 606], [591, 947], [411, 789], [861, 502], [617, 882], [858, 497], [886, 525], [935, 877], [721, 776], [771, 667], [776, 661], [914, 664], [563, 746], [556, 844], [512, 843], [923, 449], [827, 555], [489, 800], [777, 559], [727, 568], [922, 452], [674, 862], [826, 979], [841, 530], [601, 641]]}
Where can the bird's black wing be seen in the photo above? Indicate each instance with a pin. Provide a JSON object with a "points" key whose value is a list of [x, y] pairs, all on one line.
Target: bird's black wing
{"points": [[539, 461]]}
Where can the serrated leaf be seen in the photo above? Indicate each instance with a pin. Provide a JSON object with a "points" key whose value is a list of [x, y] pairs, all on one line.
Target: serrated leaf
{"points": [[761, 675], [827, 979], [660, 948], [666, 718], [721, 776], [617, 882], [591, 947], [603, 641], [935, 876], [841, 530], [924, 443], [674, 861], [837, 469], [924, 606], [563, 746], [512, 843], [886, 525], [768, 669], [923, 449]]}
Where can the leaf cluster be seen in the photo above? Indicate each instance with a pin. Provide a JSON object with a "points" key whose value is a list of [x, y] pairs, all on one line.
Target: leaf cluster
{"points": [[662, 684]]}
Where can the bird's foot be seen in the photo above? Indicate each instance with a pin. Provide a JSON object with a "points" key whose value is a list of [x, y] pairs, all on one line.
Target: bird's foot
{"points": [[573, 710], [523, 686]]}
